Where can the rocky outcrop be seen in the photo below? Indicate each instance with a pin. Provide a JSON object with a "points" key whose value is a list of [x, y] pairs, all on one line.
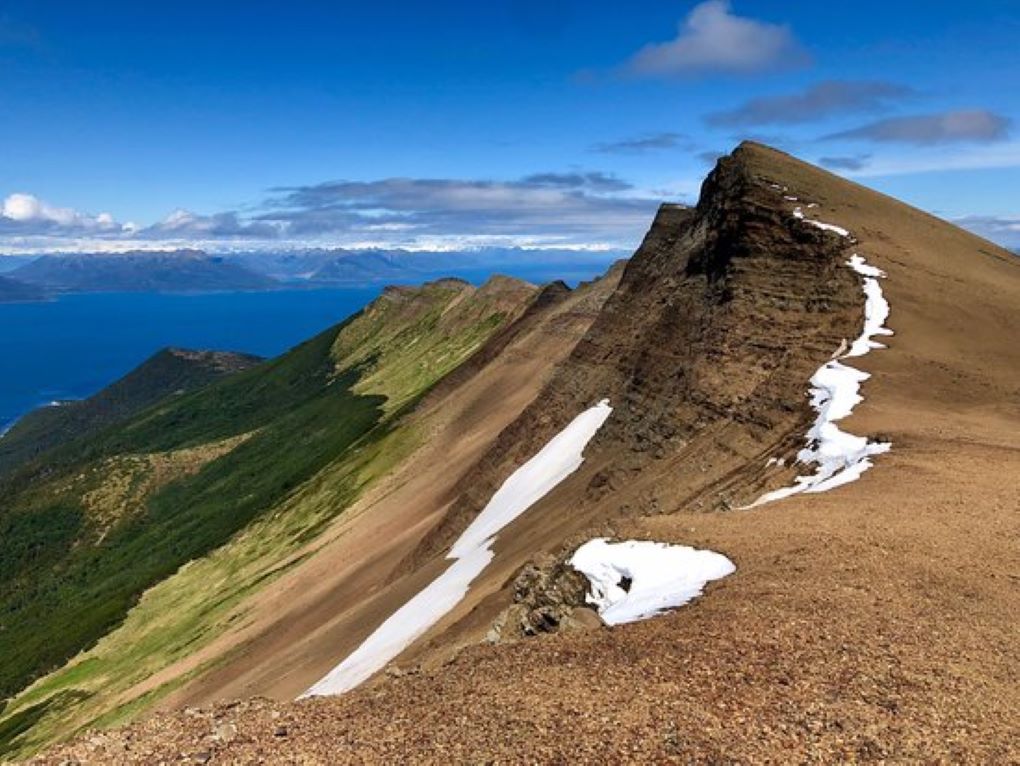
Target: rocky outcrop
{"points": [[549, 595], [704, 350]]}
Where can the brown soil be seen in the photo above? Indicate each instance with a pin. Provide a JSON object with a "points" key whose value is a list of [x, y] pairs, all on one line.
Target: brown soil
{"points": [[874, 622], [296, 628]]}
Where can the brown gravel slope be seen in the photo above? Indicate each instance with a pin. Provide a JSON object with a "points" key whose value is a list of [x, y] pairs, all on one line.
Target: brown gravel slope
{"points": [[297, 627], [875, 622]]}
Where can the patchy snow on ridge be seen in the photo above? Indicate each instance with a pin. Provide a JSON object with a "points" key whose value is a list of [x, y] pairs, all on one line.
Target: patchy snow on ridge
{"points": [[471, 553], [799, 214], [533, 480], [634, 579], [876, 307], [840, 457]]}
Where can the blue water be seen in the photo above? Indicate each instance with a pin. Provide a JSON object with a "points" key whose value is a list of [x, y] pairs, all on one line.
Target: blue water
{"points": [[72, 347]]}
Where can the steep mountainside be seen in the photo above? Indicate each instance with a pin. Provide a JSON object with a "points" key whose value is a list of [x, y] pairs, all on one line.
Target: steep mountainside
{"points": [[176, 271], [172, 371], [410, 338], [871, 621], [96, 522], [14, 291]]}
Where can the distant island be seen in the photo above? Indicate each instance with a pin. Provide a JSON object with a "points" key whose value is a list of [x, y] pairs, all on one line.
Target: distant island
{"points": [[15, 291]]}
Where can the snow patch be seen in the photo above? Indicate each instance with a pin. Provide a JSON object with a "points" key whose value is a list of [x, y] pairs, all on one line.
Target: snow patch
{"points": [[876, 307], [840, 457], [533, 480], [471, 553], [634, 580], [798, 213]]}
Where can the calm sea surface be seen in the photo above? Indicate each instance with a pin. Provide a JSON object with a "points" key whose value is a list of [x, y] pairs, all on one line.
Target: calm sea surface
{"points": [[72, 347]]}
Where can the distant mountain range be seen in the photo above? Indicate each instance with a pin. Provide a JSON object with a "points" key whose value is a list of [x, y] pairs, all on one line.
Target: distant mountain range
{"points": [[340, 266], [175, 271], [336, 266], [183, 271]]}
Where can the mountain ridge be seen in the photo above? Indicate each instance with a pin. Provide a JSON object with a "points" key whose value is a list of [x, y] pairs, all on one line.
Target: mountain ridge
{"points": [[181, 475], [139, 271], [169, 372], [705, 343]]}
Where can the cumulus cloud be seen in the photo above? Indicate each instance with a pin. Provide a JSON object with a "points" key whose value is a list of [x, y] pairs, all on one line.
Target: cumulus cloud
{"points": [[183, 224], [714, 39], [26, 213], [822, 100], [554, 207], [639, 144], [975, 125]]}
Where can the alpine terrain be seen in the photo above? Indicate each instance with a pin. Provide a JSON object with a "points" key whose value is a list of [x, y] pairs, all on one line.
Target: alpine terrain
{"points": [[751, 496]]}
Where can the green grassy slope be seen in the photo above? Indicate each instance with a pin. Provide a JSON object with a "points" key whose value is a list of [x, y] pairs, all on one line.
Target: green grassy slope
{"points": [[410, 338], [60, 591], [310, 439], [169, 372]]}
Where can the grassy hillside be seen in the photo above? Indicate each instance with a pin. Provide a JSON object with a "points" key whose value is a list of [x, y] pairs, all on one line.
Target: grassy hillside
{"points": [[410, 338], [169, 372], [62, 585], [233, 478]]}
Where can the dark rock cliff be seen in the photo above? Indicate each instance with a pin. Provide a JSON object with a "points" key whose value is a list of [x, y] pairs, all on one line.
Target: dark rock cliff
{"points": [[705, 351]]}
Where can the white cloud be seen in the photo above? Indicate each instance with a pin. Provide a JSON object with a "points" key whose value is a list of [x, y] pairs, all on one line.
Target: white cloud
{"points": [[21, 207], [713, 39], [179, 218], [575, 209], [28, 211]]}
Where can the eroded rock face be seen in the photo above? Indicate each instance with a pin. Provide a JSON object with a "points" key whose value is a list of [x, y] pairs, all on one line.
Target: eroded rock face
{"points": [[548, 596], [704, 350]]}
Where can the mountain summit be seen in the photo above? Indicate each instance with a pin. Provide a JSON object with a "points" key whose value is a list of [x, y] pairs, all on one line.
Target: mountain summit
{"points": [[751, 492]]}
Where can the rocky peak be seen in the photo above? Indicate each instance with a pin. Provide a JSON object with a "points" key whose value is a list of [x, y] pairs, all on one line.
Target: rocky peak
{"points": [[704, 349]]}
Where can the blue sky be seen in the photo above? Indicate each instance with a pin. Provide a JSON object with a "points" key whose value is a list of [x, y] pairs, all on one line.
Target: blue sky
{"points": [[552, 122]]}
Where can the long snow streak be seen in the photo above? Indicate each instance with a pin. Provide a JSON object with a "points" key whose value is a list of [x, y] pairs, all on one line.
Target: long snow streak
{"points": [[637, 579], [840, 457], [471, 553]]}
